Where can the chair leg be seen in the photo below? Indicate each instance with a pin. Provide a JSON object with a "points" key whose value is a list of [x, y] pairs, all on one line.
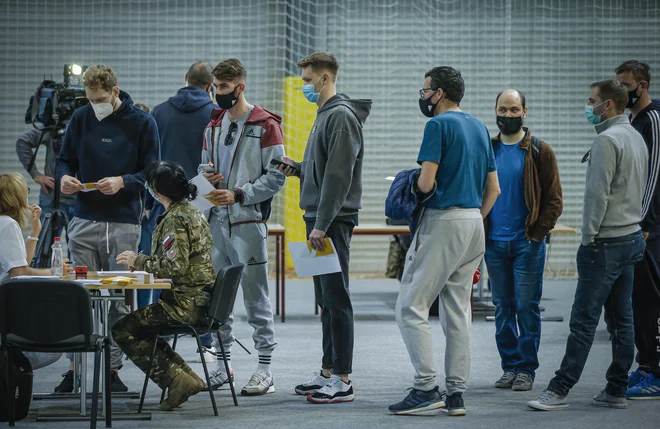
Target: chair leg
{"points": [[231, 385], [11, 388], [148, 373], [241, 344], [108, 389], [162, 393], [95, 388], [206, 370]]}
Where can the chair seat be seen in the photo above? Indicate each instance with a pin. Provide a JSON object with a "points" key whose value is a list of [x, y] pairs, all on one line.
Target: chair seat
{"points": [[73, 344]]}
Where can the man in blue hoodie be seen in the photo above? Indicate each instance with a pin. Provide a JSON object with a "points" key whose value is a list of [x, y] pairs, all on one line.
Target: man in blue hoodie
{"points": [[107, 145], [181, 122]]}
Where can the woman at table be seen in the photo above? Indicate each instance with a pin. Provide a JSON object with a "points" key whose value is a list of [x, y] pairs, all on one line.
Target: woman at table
{"points": [[15, 214], [181, 251]]}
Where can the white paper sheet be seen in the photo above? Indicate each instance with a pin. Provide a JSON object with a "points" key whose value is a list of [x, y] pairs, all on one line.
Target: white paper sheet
{"points": [[204, 187], [142, 276], [37, 277], [308, 264], [390, 178]]}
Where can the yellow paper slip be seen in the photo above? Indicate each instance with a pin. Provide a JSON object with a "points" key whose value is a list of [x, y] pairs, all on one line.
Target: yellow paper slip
{"points": [[119, 280], [90, 186], [329, 250], [208, 197]]}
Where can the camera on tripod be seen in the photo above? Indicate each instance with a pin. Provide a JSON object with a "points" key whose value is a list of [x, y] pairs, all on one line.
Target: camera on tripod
{"points": [[50, 110], [52, 105]]}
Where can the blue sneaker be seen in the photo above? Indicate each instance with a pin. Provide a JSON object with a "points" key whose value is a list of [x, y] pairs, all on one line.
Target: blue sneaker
{"points": [[419, 401], [637, 376], [648, 388]]}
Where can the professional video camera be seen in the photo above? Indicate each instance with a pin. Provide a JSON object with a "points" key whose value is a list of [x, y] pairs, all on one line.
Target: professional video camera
{"points": [[53, 104], [49, 111]]}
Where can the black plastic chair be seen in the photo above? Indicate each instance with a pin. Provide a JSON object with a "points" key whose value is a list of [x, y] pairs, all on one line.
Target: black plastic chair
{"points": [[52, 316], [221, 306]]}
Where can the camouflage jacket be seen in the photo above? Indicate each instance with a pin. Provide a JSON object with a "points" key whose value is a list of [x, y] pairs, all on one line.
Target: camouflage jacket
{"points": [[181, 251]]}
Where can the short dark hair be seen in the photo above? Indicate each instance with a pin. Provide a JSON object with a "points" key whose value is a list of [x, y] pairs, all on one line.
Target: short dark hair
{"points": [[200, 74], [520, 94], [169, 179], [612, 90], [230, 69], [449, 80], [320, 61], [640, 71]]}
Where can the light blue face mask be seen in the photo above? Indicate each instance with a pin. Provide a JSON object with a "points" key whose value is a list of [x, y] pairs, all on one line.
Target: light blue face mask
{"points": [[309, 93], [151, 192], [591, 116]]}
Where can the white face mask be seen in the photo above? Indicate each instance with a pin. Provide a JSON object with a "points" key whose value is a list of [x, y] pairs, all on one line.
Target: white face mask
{"points": [[103, 110]]}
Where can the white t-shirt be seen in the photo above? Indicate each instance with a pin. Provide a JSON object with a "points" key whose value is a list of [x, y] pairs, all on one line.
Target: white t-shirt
{"points": [[12, 250]]}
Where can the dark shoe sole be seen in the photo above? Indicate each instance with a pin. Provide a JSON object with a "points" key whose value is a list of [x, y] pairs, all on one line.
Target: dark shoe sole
{"points": [[522, 388], [330, 401], [620, 406], [503, 386]]}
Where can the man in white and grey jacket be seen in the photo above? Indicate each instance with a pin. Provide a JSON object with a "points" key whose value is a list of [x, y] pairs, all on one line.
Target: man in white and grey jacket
{"points": [[612, 243], [239, 143]]}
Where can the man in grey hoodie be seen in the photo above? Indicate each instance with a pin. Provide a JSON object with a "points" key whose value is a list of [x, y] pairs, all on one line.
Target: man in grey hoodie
{"points": [[612, 243], [331, 195]]}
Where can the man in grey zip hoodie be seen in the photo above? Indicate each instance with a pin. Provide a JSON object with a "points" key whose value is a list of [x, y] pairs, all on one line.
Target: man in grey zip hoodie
{"points": [[612, 243], [331, 196]]}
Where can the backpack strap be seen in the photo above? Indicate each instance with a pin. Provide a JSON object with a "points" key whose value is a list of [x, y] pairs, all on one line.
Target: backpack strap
{"points": [[536, 152]]}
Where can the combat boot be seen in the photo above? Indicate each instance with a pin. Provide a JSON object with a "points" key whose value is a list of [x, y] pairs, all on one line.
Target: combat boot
{"points": [[181, 388]]}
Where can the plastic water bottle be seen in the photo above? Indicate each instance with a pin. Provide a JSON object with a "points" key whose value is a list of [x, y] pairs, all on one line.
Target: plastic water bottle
{"points": [[57, 258]]}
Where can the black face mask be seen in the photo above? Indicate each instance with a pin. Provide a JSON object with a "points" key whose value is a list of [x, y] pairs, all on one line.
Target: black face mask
{"points": [[633, 94], [226, 101], [509, 126], [427, 107]]}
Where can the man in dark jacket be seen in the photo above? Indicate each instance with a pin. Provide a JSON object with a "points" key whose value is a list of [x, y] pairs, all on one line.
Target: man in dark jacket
{"points": [[181, 121], [331, 195], [519, 222], [644, 382], [106, 148]]}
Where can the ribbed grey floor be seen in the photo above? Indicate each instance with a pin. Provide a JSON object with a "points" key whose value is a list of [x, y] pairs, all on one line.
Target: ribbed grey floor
{"points": [[382, 373]]}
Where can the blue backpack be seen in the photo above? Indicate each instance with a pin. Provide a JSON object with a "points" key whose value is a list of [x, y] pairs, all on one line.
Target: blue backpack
{"points": [[402, 201]]}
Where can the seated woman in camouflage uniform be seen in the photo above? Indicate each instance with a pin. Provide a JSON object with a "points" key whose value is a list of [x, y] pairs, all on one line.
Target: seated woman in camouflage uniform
{"points": [[181, 248]]}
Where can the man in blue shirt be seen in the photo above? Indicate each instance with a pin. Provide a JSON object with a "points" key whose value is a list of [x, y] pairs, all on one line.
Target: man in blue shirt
{"points": [[530, 204], [448, 246]]}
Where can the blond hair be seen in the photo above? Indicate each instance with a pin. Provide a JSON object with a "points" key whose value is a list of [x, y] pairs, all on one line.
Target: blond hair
{"points": [[100, 76], [13, 197]]}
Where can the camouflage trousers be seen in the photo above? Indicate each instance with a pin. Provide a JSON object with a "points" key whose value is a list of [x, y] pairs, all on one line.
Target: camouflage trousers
{"points": [[135, 334]]}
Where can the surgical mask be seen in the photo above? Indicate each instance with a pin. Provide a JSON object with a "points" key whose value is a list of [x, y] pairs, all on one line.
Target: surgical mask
{"points": [[427, 107], [103, 110], [591, 116], [152, 193], [226, 101], [309, 93], [509, 125], [633, 94]]}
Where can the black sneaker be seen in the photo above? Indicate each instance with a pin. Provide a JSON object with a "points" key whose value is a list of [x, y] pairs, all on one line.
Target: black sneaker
{"points": [[419, 402], [455, 405], [66, 386], [116, 384]]}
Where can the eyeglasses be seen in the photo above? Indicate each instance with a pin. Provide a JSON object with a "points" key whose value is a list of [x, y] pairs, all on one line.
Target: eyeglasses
{"points": [[229, 140], [422, 92]]}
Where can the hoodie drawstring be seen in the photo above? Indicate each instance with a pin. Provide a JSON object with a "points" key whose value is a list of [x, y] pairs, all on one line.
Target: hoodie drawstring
{"points": [[107, 240]]}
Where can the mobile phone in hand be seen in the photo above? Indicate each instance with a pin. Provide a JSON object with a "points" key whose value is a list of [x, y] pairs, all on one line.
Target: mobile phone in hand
{"points": [[278, 162], [207, 168]]}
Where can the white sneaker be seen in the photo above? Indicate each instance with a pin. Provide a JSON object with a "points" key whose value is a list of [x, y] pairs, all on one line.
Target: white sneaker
{"points": [[219, 378], [260, 383], [209, 354], [549, 401], [335, 391], [312, 386]]}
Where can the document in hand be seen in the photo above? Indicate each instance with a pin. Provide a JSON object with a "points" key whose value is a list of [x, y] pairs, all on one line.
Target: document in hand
{"points": [[88, 187], [204, 188], [308, 262]]}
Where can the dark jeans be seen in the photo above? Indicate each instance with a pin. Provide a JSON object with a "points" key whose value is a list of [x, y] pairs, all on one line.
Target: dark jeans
{"points": [[334, 300], [646, 305], [515, 270], [605, 278]]}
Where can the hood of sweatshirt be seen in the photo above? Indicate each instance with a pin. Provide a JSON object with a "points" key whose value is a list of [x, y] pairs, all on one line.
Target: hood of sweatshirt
{"points": [[190, 99], [360, 107]]}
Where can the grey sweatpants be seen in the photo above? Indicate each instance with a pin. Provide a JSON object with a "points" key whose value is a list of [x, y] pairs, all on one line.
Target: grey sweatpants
{"points": [[443, 256], [246, 244], [96, 245]]}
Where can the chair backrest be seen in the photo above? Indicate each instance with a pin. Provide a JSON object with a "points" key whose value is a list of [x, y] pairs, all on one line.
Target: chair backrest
{"points": [[45, 311], [224, 293]]}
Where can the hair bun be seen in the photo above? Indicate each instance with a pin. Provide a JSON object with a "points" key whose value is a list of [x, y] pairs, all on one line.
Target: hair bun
{"points": [[192, 191]]}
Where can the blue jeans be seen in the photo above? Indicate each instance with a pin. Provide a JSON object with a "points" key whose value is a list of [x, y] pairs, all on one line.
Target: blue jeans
{"points": [[605, 278], [145, 296], [515, 270]]}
